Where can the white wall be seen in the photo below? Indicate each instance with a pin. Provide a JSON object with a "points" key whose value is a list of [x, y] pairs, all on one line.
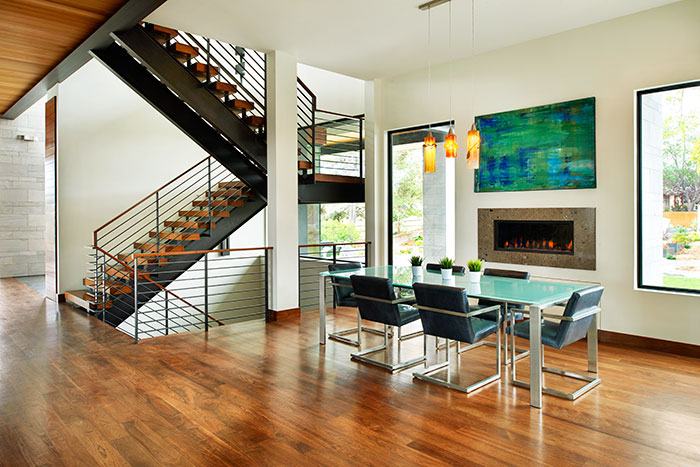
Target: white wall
{"points": [[334, 92], [22, 194], [609, 61], [113, 150]]}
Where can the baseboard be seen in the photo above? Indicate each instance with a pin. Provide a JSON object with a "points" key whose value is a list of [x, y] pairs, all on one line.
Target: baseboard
{"points": [[649, 343], [276, 315]]}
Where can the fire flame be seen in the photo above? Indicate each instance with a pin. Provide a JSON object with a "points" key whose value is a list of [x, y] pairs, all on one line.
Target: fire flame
{"points": [[520, 244]]}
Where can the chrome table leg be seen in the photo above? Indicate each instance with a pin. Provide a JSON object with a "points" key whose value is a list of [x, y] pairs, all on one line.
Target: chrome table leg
{"points": [[322, 310], [592, 340], [536, 356]]}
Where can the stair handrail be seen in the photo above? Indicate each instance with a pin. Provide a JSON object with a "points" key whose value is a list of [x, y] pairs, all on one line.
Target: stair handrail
{"points": [[95, 233], [145, 276], [199, 252]]}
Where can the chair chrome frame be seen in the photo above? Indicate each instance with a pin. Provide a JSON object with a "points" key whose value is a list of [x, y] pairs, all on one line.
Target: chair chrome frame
{"points": [[339, 336], [425, 375], [393, 367], [592, 351]]}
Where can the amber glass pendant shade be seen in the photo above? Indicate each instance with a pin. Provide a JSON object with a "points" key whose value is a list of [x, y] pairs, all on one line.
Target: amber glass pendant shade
{"points": [[473, 146], [429, 153], [451, 144]]}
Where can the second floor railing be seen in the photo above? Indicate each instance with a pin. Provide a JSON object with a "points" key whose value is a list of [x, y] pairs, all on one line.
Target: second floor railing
{"points": [[330, 143]]}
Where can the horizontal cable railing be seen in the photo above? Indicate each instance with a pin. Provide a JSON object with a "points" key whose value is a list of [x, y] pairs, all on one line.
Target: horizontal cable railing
{"points": [[314, 259], [224, 286]]}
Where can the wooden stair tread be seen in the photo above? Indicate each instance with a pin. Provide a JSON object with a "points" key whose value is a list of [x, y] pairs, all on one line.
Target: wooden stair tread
{"points": [[239, 105], [254, 120], [160, 33], [221, 88], [129, 259], [113, 287], [200, 69], [234, 184], [122, 272], [84, 299], [305, 165], [203, 213], [230, 193], [216, 203], [189, 224], [338, 179], [153, 248], [189, 237], [183, 51]]}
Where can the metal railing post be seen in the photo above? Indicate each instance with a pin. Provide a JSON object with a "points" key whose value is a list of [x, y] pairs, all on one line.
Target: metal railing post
{"points": [[334, 254], [206, 291], [208, 61], [104, 285], [361, 149], [157, 223], [209, 196], [366, 255], [96, 278], [136, 300], [313, 139], [166, 314], [267, 290]]}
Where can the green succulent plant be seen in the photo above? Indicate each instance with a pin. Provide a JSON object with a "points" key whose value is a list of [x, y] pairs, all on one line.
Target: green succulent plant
{"points": [[475, 265], [416, 260], [446, 263]]}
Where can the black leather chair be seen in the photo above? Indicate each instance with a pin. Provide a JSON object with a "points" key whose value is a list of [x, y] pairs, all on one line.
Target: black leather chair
{"points": [[445, 312], [377, 302], [342, 296], [578, 320], [436, 267], [506, 308]]}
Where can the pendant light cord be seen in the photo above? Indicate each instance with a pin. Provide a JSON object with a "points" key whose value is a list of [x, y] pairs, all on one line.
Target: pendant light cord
{"points": [[429, 71], [449, 49], [473, 65]]}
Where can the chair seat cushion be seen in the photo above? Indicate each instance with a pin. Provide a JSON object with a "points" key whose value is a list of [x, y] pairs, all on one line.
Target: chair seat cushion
{"points": [[483, 328], [408, 314], [549, 332]]}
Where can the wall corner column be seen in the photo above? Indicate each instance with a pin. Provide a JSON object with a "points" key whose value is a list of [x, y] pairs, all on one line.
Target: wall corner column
{"points": [[375, 173]]}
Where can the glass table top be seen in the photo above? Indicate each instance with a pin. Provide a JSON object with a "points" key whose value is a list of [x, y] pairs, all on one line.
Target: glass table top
{"points": [[502, 289]]}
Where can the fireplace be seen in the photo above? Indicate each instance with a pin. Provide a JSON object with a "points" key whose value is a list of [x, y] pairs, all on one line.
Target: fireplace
{"points": [[553, 237], [547, 237]]}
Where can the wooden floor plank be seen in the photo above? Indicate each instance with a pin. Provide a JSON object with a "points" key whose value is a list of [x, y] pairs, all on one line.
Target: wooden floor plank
{"points": [[76, 391]]}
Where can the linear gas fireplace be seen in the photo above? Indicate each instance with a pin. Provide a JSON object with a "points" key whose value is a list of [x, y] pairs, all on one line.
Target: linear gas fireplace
{"points": [[555, 237]]}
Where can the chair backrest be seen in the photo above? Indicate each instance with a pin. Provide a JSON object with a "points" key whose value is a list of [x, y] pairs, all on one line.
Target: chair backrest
{"points": [[342, 294], [580, 302], [507, 273], [381, 289], [442, 324], [436, 267]]}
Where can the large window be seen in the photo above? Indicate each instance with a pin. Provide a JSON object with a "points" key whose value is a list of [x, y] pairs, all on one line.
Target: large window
{"points": [[668, 180]]}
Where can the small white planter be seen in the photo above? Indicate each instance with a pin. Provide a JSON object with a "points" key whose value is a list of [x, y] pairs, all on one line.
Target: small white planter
{"points": [[417, 270], [446, 273], [474, 276]]}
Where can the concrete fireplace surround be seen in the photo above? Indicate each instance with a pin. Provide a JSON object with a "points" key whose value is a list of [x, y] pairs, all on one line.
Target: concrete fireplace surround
{"points": [[584, 237]]}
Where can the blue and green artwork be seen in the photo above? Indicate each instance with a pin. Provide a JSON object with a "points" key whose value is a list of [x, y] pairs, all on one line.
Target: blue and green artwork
{"points": [[550, 147]]}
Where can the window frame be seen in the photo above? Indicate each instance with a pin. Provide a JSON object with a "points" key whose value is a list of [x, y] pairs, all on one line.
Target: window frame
{"points": [[640, 208]]}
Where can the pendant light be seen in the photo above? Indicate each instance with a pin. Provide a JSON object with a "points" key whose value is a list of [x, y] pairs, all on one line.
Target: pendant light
{"points": [[473, 136], [451, 145], [429, 142]]}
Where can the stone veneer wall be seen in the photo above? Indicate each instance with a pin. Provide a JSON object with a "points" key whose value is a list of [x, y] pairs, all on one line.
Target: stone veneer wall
{"points": [[22, 194]]}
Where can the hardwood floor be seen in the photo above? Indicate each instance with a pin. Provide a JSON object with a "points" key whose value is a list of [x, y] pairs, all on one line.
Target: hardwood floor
{"points": [[74, 391]]}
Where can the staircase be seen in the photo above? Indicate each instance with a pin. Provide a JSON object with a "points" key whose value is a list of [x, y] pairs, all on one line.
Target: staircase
{"points": [[215, 93]]}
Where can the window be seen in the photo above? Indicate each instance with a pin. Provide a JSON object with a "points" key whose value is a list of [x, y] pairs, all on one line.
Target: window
{"points": [[668, 181]]}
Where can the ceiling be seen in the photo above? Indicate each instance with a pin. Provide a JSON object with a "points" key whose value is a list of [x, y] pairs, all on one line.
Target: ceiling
{"points": [[35, 35], [376, 38]]}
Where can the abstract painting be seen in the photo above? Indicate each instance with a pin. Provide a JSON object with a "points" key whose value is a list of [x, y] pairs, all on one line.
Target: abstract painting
{"points": [[550, 147]]}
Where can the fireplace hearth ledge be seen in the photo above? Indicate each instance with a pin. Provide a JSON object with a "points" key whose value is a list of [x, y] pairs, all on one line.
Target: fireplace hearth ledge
{"points": [[584, 256]]}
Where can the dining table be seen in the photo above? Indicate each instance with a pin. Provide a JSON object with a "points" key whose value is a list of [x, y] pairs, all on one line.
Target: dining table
{"points": [[536, 294]]}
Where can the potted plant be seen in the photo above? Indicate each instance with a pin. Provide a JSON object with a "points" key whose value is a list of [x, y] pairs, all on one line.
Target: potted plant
{"points": [[416, 265], [474, 267], [446, 267]]}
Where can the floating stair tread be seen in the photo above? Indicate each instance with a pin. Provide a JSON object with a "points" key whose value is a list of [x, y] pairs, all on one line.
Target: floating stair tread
{"points": [[338, 179], [84, 299], [217, 203], [121, 272], [221, 88], [305, 165], [235, 184], [200, 69], [239, 104], [113, 287], [230, 193], [183, 51], [175, 236], [129, 259], [203, 213], [254, 120], [153, 248], [189, 224], [161, 33]]}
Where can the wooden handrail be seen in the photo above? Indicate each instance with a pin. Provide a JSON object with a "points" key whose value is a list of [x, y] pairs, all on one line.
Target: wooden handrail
{"points": [[336, 244], [303, 85], [94, 234], [159, 286], [198, 252], [356, 117]]}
